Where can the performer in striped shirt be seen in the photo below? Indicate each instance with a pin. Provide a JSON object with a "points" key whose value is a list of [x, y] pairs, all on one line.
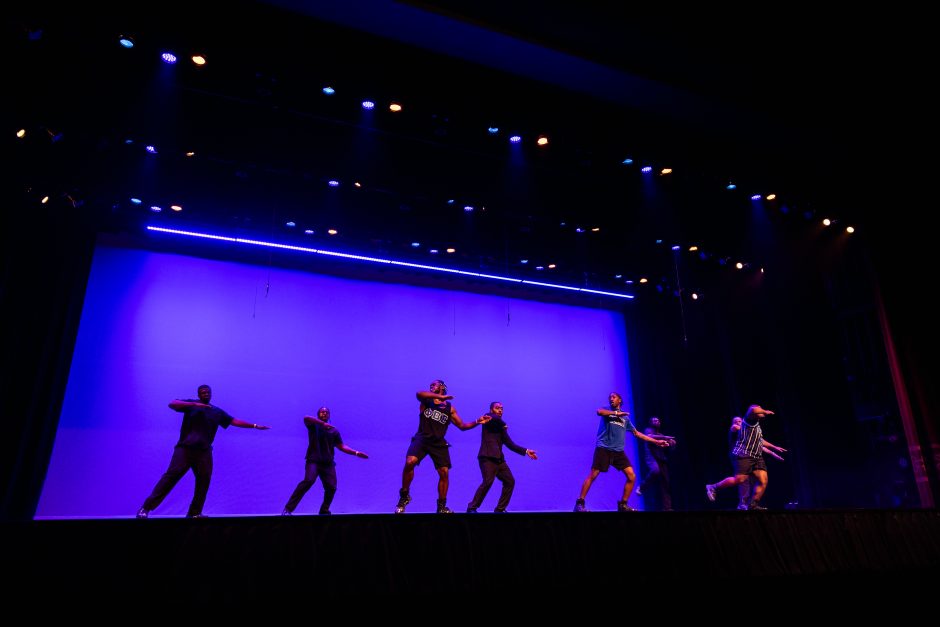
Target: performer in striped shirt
{"points": [[747, 456]]}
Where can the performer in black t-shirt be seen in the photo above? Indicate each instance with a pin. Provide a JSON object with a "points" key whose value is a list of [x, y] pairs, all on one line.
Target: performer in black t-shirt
{"points": [[323, 439], [201, 421], [434, 416], [657, 464]]}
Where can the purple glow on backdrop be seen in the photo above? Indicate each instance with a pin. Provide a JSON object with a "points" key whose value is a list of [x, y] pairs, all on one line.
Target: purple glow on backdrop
{"points": [[155, 326]]}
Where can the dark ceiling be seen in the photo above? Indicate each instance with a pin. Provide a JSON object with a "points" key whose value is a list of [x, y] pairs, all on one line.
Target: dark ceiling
{"points": [[764, 106]]}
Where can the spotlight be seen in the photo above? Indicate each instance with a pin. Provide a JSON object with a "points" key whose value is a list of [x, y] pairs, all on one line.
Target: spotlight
{"points": [[21, 133], [126, 41], [646, 169], [542, 141], [168, 58], [199, 60], [368, 105], [329, 91], [394, 107], [515, 139]]}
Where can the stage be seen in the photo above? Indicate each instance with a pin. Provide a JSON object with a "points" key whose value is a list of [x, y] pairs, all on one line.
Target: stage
{"points": [[243, 560]]}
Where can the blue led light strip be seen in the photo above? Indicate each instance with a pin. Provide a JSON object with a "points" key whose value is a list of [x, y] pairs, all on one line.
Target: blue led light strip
{"points": [[390, 262]]}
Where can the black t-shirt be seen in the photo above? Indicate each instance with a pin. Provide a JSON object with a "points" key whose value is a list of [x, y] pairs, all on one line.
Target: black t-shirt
{"points": [[433, 419], [200, 425], [321, 444]]}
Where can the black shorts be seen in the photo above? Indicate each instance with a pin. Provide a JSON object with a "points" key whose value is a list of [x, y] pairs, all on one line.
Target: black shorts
{"points": [[604, 458], [439, 451], [747, 465]]}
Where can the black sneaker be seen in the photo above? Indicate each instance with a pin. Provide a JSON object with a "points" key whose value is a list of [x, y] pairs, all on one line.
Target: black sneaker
{"points": [[579, 506], [143, 513], [287, 512], [442, 507], [623, 507], [499, 511], [471, 510], [196, 516], [325, 512], [403, 499], [755, 505]]}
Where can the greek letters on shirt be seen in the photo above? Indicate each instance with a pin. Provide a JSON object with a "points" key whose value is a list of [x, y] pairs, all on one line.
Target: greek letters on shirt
{"points": [[432, 414]]}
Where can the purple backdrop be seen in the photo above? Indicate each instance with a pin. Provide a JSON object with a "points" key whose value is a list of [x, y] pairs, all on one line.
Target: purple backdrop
{"points": [[277, 344]]}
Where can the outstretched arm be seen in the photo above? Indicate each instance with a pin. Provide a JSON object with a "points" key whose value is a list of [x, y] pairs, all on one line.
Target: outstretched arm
{"points": [[515, 448], [771, 453], [463, 426], [643, 436], [779, 449], [351, 451], [248, 425]]}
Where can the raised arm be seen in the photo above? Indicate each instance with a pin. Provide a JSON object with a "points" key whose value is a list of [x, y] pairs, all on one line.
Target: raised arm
{"points": [[351, 451], [425, 395], [314, 420], [178, 405]]}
